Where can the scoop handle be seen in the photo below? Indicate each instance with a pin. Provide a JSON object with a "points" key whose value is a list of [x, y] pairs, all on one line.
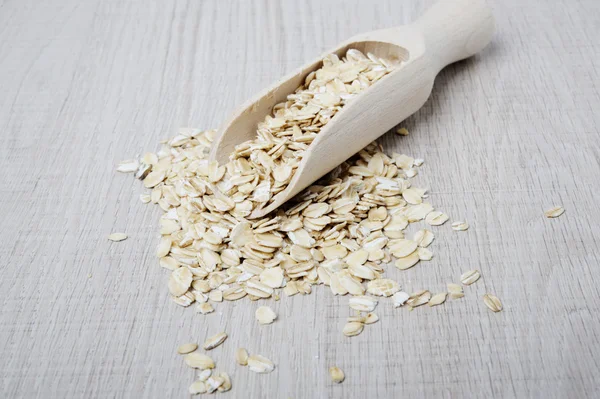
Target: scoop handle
{"points": [[456, 29]]}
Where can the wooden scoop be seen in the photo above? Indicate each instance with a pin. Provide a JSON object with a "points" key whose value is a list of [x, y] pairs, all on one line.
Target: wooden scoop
{"points": [[449, 31]]}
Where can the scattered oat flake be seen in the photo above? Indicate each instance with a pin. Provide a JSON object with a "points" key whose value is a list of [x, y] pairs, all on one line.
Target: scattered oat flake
{"points": [[214, 341], [180, 280], [419, 298], [455, 291], [359, 318], [116, 237], [425, 254], [226, 385], [438, 299], [353, 328], [408, 261], [404, 161], [186, 348], [400, 298], [402, 131], [129, 166], [216, 296], [169, 263], [145, 198], [412, 196], [184, 300], [363, 303], [213, 383], [260, 364], [150, 159], [204, 374], [460, 226], [371, 318], [383, 287], [205, 308], [197, 387], [241, 356], [154, 178], [401, 247], [436, 218], [199, 361], [554, 212], [412, 172], [164, 247], [272, 277], [265, 315], [423, 238], [336, 374], [492, 302], [470, 277]]}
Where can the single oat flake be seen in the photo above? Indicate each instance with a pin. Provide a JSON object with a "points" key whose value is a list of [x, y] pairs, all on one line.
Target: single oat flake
{"points": [[492, 302], [164, 246], [145, 198], [400, 298], [187, 348], [353, 328], [213, 383], [180, 281], [363, 303], [241, 356], [359, 318], [116, 237], [205, 308], [401, 248], [383, 287], [554, 212], [371, 318], [199, 361], [402, 131], [336, 374], [129, 166], [408, 261], [470, 277], [226, 385], [455, 290], [214, 341], [204, 374], [265, 315], [154, 178], [460, 226], [260, 364], [423, 238], [436, 218], [418, 298], [425, 254], [197, 387], [438, 299]]}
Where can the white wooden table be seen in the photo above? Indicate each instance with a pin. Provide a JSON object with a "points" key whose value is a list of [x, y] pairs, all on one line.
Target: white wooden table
{"points": [[85, 84]]}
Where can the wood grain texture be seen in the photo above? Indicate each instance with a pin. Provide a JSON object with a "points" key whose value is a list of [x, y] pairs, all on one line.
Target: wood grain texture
{"points": [[85, 84]]}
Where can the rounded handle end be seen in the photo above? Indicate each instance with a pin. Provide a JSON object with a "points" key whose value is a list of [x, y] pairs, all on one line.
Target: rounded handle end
{"points": [[456, 29]]}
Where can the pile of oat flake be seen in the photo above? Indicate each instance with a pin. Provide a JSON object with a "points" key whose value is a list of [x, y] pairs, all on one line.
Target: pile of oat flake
{"points": [[338, 232]]}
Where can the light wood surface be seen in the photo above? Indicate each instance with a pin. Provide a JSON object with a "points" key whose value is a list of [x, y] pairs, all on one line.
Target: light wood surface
{"points": [[449, 31], [505, 135]]}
